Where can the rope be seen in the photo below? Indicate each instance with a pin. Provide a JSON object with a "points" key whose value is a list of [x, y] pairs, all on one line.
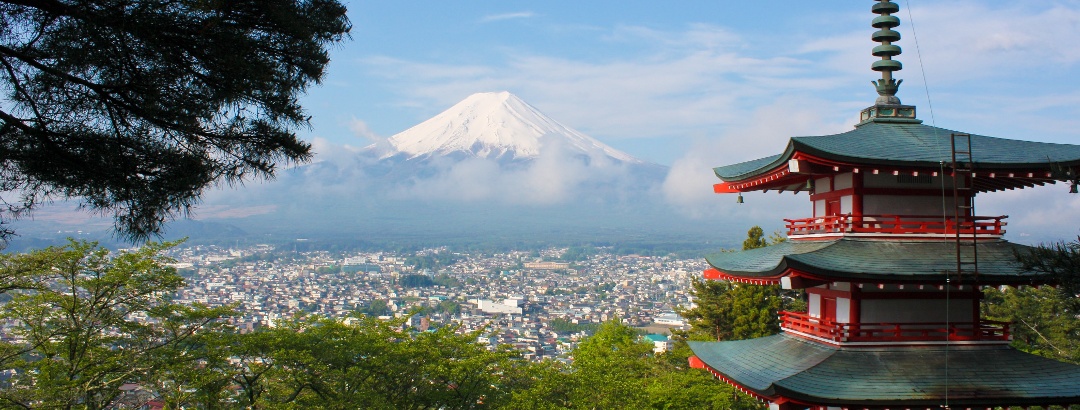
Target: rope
{"points": [[922, 68]]}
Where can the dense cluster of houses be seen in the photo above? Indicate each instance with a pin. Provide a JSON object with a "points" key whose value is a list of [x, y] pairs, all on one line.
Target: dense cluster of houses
{"points": [[513, 297]]}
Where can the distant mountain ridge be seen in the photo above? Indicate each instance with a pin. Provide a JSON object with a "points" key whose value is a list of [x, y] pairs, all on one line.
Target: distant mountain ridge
{"points": [[499, 126]]}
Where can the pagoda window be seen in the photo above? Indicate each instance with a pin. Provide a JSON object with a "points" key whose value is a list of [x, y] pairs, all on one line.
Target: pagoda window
{"points": [[822, 185], [915, 310], [906, 205], [842, 181], [836, 309], [834, 195], [830, 302]]}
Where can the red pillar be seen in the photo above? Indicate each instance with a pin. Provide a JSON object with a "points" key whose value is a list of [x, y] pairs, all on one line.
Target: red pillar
{"points": [[857, 195]]}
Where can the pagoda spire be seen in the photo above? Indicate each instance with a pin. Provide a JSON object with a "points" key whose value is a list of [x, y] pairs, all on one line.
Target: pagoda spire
{"points": [[887, 107], [887, 86]]}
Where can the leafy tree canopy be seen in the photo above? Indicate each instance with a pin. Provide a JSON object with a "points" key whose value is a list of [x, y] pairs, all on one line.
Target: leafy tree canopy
{"points": [[136, 107], [615, 369], [91, 321], [1046, 320], [755, 238]]}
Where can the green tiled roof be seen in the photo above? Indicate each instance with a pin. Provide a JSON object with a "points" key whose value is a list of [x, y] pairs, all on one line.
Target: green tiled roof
{"points": [[916, 145], [783, 365], [877, 260]]}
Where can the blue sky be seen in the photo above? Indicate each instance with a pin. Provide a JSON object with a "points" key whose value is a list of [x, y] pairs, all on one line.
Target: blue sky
{"points": [[698, 84], [663, 81]]}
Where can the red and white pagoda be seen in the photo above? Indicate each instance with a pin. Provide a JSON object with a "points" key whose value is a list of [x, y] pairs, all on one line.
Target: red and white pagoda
{"points": [[893, 259]]}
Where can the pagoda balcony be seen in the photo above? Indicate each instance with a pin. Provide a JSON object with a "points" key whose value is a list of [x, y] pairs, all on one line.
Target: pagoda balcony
{"points": [[894, 333], [919, 225]]}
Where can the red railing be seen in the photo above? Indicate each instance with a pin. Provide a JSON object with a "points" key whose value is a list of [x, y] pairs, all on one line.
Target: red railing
{"points": [[986, 330], [897, 224]]}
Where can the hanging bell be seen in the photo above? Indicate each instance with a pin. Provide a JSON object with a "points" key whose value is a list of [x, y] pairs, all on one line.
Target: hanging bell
{"points": [[810, 185], [739, 199]]}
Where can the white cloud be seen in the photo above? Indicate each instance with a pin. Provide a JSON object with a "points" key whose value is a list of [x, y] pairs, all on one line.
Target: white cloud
{"points": [[689, 184], [702, 79], [361, 129], [1036, 215], [682, 95], [553, 178], [507, 16]]}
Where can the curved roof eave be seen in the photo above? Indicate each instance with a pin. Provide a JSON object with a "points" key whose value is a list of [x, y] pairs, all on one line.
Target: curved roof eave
{"points": [[786, 366], [750, 169], [909, 145], [877, 261]]}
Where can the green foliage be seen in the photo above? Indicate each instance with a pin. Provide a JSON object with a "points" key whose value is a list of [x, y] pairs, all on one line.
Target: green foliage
{"points": [[369, 363], [578, 253], [432, 261], [1044, 321], [755, 311], [755, 238], [376, 308], [80, 336], [614, 369], [446, 280], [679, 388], [713, 313], [416, 281], [328, 270], [609, 368], [450, 307], [729, 311], [136, 107]]}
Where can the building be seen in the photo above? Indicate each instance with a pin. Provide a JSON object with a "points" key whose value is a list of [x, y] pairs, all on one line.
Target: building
{"points": [[669, 319], [546, 265], [893, 260], [512, 306], [661, 343]]}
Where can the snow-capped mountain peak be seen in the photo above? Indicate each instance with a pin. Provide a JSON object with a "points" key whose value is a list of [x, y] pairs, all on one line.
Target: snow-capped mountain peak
{"points": [[496, 125]]}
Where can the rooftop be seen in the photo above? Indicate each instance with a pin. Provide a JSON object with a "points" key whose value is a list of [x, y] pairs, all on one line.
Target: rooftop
{"points": [[785, 366], [874, 261], [885, 146]]}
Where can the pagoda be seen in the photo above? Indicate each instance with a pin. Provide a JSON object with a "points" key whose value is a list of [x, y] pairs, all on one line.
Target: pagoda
{"points": [[892, 261]]}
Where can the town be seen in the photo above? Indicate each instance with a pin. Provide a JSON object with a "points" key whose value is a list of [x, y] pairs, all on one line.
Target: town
{"points": [[539, 302]]}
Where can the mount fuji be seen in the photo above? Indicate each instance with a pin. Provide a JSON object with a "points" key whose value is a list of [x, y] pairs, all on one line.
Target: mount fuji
{"points": [[500, 126], [490, 165], [495, 147]]}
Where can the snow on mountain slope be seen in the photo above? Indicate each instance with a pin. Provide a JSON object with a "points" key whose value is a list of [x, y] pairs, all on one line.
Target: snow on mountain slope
{"points": [[496, 125]]}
